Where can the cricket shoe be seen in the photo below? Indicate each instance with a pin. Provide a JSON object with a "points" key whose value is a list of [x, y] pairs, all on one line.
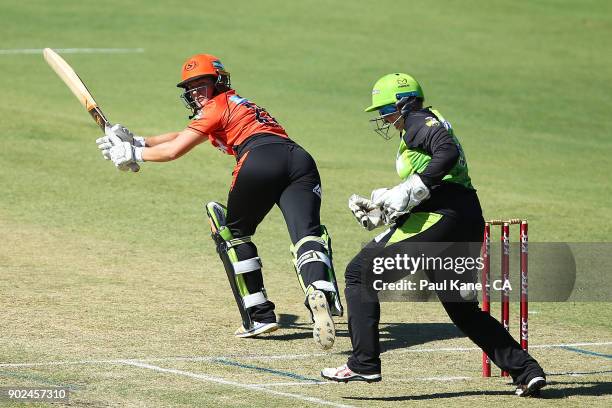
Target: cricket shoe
{"points": [[345, 374], [258, 328], [532, 389], [323, 331]]}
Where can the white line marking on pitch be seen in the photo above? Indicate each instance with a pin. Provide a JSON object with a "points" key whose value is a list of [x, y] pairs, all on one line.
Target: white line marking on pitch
{"points": [[293, 384], [412, 379], [605, 343], [580, 373], [73, 51], [280, 356], [60, 363], [218, 380], [247, 357], [416, 379], [283, 356], [451, 349]]}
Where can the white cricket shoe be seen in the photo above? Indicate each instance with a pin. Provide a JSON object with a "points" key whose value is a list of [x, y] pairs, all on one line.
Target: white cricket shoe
{"points": [[258, 328], [345, 374], [532, 389], [323, 331]]}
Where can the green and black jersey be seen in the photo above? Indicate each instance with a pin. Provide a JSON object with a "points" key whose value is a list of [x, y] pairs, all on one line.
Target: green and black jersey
{"points": [[429, 147]]}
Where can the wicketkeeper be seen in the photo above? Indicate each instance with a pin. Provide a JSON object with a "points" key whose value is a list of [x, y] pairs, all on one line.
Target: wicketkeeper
{"points": [[270, 169], [434, 203]]}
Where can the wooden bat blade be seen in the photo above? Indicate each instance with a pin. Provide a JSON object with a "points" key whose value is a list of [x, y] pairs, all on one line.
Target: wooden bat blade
{"points": [[78, 88], [76, 85]]}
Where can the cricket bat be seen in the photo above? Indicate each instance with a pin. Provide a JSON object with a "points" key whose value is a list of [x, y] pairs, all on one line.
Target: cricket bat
{"points": [[78, 88]]}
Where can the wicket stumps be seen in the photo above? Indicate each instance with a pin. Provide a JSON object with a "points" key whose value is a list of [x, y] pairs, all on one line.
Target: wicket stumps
{"points": [[505, 277]]}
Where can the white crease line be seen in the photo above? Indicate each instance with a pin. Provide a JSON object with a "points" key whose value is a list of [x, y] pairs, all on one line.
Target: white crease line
{"points": [[409, 379], [246, 357], [294, 384], [193, 359], [60, 363], [428, 379], [604, 343], [218, 380], [282, 356], [431, 350], [580, 373], [451, 349], [73, 51]]}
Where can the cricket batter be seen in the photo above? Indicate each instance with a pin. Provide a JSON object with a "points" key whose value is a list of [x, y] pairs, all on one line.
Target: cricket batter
{"points": [[435, 202], [270, 169]]}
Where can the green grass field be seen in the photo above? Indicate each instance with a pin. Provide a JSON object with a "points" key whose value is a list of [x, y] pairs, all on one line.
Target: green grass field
{"points": [[109, 282]]}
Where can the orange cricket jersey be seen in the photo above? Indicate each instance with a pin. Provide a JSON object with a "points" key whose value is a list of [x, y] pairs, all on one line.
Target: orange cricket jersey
{"points": [[229, 119]]}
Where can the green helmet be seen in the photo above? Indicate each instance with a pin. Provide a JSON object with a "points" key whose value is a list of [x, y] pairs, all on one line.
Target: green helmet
{"points": [[391, 88]]}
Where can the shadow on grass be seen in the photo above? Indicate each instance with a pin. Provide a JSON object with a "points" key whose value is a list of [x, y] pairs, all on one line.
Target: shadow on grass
{"points": [[392, 335], [591, 388], [555, 390], [430, 396], [401, 335]]}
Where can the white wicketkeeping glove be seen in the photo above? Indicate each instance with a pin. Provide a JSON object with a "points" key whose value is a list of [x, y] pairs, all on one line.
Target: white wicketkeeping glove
{"points": [[376, 194], [125, 135], [367, 214], [400, 199]]}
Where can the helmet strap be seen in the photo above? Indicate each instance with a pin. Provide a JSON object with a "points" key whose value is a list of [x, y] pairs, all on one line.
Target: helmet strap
{"points": [[222, 84], [408, 104]]}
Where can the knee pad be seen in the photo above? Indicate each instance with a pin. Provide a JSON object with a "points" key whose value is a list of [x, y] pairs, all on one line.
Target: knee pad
{"points": [[330, 285], [234, 268]]}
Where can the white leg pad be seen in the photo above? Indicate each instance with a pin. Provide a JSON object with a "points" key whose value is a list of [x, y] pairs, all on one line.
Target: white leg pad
{"points": [[324, 286], [254, 299], [248, 265]]}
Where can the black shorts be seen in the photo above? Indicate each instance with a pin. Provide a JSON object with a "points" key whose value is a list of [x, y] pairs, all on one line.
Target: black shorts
{"points": [[273, 170]]}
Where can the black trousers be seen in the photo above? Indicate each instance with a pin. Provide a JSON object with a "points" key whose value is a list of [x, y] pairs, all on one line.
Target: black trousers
{"points": [[284, 174], [484, 330]]}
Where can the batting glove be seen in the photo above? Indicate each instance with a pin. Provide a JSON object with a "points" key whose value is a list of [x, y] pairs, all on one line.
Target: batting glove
{"points": [[122, 133], [123, 154], [125, 135]]}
